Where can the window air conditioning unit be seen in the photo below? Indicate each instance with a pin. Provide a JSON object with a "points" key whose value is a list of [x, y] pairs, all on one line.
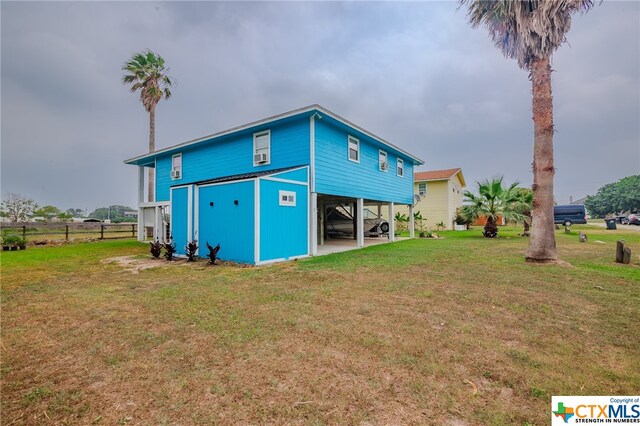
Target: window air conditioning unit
{"points": [[260, 158], [384, 166], [175, 174]]}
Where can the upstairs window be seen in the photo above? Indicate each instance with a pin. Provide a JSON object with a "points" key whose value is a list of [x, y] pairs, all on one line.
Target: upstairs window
{"points": [[176, 166], [400, 167], [354, 149], [383, 164], [262, 148], [422, 188]]}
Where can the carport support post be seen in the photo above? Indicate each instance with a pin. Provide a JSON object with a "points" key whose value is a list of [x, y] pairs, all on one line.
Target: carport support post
{"points": [[157, 227], [412, 223], [140, 201], [392, 224], [360, 222], [313, 231]]}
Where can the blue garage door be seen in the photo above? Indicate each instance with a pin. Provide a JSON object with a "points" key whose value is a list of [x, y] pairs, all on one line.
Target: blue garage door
{"points": [[226, 217]]}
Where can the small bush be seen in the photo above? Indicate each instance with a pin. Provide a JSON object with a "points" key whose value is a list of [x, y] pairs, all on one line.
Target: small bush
{"points": [[192, 248], [169, 250], [213, 253], [156, 249]]}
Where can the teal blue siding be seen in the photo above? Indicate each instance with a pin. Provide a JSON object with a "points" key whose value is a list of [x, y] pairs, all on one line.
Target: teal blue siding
{"points": [[233, 154], [300, 175], [225, 223], [179, 215], [283, 229], [336, 175]]}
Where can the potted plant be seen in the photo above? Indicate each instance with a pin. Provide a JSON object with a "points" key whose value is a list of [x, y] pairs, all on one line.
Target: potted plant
{"points": [[11, 241], [21, 243], [5, 245]]}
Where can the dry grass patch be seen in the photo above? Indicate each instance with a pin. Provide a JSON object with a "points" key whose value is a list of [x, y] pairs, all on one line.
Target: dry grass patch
{"points": [[455, 331]]}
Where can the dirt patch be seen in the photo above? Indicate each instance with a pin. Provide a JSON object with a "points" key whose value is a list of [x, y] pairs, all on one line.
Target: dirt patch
{"points": [[135, 264]]}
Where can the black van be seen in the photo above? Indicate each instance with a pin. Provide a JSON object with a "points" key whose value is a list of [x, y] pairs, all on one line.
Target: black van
{"points": [[570, 214]]}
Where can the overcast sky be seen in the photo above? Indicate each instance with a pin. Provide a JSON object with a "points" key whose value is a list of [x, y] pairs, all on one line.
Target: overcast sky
{"points": [[413, 73]]}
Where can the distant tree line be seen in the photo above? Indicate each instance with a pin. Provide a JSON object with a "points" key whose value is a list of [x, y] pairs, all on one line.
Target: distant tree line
{"points": [[619, 197], [18, 208]]}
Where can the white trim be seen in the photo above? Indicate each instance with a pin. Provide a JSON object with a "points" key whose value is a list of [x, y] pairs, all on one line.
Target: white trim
{"points": [[281, 259], [294, 182], [172, 169], [255, 136], [189, 213], [158, 203], [357, 141], [256, 219], [386, 161], [171, 213], [271, 119], [196, 216], [313, 223], [312, 152], [398, 162]]}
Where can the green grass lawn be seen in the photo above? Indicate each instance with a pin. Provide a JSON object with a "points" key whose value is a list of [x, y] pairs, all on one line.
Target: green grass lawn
{"points": [[456, 331]]}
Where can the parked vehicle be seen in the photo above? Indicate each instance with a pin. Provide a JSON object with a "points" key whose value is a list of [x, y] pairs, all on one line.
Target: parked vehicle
{"points": [[339, 222], [622, 220], [570, 214], [634, 219]]}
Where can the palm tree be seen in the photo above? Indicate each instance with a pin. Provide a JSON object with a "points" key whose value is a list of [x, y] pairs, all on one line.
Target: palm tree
{"points": [[524, 206], [146, 72], [530, 31], [493, 201]]}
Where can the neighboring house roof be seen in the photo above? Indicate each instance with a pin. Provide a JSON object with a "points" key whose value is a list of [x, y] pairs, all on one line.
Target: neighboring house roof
{"points": [[311, 108], [438, 175]]}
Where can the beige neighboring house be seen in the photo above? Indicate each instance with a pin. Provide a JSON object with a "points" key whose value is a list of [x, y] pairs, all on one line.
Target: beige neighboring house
{"points": [[438, 194]]}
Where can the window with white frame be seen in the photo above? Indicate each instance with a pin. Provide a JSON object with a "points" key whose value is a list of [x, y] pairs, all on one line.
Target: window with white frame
{"points": [[262, 148], [383, 163], [287, 198], [176, 166], [354, 149], [400, 167], [422, 188]]}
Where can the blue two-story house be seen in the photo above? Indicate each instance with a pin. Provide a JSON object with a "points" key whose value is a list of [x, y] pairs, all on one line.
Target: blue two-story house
{"points": [[260, 190]]}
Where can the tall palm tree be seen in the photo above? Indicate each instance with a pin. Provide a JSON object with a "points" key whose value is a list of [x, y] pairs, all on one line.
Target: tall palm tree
{"points": [[493, 201], [530, 31], [146, 72]]}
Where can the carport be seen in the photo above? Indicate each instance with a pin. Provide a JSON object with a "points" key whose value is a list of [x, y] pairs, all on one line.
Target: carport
{"points": [[349, 223]]}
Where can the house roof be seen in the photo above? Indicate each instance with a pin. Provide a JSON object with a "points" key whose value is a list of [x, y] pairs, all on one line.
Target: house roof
{"points": [[240, 176], [144, 159], [438, 175]]}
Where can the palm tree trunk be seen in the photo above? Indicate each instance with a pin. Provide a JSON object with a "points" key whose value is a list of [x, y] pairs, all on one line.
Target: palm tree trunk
{"points": [[490, 228], [152, 147], [542, 244]]}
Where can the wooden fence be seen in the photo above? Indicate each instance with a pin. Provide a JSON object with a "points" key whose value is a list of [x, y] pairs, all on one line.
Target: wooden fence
{"points": [[33, 231]]}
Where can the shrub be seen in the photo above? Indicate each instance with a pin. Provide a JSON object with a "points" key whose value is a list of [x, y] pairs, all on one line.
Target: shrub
{"points": [[169, 250], [11, 240], [192, 248], [156, 249], [213, 253]]}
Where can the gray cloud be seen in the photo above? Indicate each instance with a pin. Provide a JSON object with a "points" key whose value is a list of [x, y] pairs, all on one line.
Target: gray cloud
{"points": [[414, 73]]}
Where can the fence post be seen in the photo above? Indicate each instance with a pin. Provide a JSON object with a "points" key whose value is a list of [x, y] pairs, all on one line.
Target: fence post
{"points": [[24, 231], [66, 232], [101, 232], [133, 230]]}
